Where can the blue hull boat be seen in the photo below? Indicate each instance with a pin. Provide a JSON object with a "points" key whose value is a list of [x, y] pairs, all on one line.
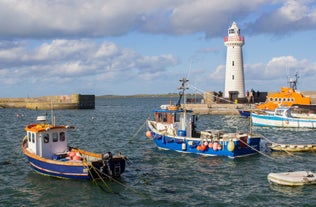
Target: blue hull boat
{"points": [[45, 147], [174, 128], [245, 113]]}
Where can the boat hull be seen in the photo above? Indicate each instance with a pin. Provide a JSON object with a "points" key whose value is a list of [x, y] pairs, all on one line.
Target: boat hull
{"points": [[297, 178], [99, 168], [60, 170], [276, 121], [244, 113], [190, 145]]}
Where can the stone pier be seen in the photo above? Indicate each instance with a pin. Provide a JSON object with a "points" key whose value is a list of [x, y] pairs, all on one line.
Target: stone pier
{"points": [[73, 101]]}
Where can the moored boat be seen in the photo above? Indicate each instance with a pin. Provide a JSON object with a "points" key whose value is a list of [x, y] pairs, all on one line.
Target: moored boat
{"points": [[282, 118], [174, 128], [286, 97], [292, 147], [296, 178], [45, 146]]}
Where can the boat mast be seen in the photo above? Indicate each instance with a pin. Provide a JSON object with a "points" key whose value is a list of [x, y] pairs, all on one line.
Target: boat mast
{"points": [[182, 89], [293, 83]]}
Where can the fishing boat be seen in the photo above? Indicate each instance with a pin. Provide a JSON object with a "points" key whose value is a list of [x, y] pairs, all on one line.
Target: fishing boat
{"points": [[296, 178], [45, 146], [282, 118], [174, 128]]}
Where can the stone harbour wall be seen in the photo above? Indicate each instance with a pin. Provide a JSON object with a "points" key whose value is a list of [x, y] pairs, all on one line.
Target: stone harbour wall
{"points": [[73, 101]]}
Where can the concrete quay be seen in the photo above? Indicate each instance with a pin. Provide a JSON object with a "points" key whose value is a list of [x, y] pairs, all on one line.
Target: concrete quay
{"points": [[231, 108], [219, 109], [73, 101]]}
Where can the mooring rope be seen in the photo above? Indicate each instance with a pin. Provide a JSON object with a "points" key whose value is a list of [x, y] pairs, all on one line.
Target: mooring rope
{"points": [[115, 180], [85, 164], [269, 141], [136, 133], [257, 150]]}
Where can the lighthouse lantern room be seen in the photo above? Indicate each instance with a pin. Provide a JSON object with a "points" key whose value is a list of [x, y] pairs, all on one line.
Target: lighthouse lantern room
{"points": [[234, 76]]}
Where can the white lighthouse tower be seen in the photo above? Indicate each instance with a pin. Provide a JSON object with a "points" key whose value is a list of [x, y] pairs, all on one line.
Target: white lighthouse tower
{"points": [[234, 78]]}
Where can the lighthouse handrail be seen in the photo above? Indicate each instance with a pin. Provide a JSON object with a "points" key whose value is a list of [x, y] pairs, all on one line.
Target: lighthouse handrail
{"points": [[234, 38]]}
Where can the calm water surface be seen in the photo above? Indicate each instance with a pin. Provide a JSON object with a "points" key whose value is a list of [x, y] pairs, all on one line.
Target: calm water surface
{"points": [[153, 177]]}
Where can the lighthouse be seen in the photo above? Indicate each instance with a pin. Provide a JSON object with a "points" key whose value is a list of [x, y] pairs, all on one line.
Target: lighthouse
{"points": [[234, 76]]}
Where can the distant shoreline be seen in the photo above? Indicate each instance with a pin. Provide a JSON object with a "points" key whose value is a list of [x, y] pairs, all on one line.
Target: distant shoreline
{"points": [[169, 95]]}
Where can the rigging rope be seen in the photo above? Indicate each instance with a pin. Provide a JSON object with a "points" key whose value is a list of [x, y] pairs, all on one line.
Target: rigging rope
{"points": [[136, 133], [257, 150]]}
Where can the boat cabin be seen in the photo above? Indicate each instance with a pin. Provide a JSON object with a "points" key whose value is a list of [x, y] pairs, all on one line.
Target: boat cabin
{"points": [[175, 120], [46, 140], [282, 112]]}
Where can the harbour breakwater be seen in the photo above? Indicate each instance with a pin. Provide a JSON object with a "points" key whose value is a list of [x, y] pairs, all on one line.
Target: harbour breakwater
{"points": [[230, 108], [73, 101]]}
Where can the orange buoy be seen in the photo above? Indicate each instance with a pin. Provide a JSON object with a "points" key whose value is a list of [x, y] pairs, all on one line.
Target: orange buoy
{"points": [[148, 134], [203, 147], [198, 147]]}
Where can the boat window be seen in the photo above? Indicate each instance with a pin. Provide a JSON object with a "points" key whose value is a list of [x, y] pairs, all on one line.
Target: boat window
{"points": [[280, 99], [62, 136], [278, 112], [288, 100], [284, 99], [164, 117], [292, 99], [271, 99], [170, 118], [33, 138], [29, 136], [176, 118], [46, 138], [55, 137], [275, 99]]}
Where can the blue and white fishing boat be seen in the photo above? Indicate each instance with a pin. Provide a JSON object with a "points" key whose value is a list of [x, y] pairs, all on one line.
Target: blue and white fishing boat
{"points": [[283, 117], [45, 146], [174, 128]]}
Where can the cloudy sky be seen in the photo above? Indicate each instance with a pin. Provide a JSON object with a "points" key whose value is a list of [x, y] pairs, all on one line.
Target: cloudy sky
{"points": [[123, 47]]}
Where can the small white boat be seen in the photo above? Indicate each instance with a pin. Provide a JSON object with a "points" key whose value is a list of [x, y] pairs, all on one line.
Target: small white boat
{"points": [[297, 178]]}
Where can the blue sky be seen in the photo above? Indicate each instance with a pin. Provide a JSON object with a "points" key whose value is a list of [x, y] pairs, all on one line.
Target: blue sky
{"points": [[122, 47]]}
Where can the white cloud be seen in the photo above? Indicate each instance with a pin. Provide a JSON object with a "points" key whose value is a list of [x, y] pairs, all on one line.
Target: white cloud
{"points": [[64, 59], [98, 18], [290, 17]]}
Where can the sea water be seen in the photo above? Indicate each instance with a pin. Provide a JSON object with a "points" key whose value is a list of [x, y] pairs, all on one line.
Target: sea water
{"points": [[153, 177]]}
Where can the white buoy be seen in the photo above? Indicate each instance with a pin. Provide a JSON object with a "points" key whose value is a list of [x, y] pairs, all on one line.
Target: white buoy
{"points": [[184, 146]]}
